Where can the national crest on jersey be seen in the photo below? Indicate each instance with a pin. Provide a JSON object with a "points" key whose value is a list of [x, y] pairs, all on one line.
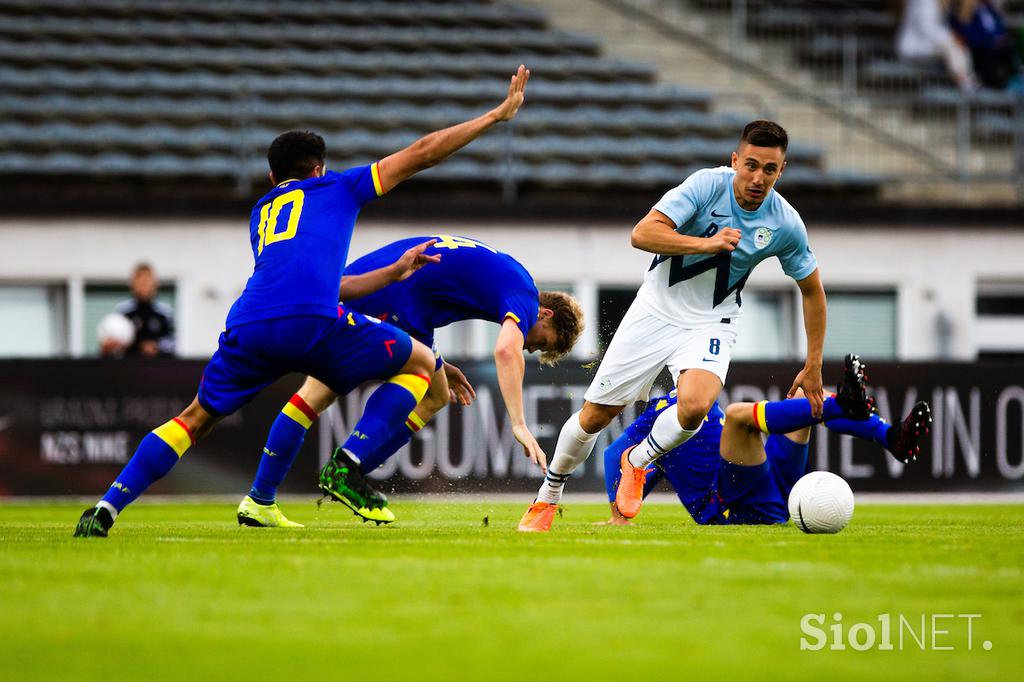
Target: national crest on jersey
{"points": [[300, 233], [699, 289]]}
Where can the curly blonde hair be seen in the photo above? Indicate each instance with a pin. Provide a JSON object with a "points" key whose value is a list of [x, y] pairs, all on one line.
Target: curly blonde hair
{"points": [[567, 321]]}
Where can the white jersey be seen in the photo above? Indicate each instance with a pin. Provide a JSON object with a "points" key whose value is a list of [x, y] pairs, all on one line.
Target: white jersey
{"points": [[697, 290]]}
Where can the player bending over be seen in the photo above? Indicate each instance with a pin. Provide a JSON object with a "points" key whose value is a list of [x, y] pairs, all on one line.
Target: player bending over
{"points": [[729, 474], [287, 318], [468, 280], [708, 234]]}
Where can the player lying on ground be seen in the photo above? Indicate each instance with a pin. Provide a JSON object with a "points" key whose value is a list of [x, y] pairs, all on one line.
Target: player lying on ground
{"points": [[288, 320], [708, 234], [729, 475], [468, 280]]}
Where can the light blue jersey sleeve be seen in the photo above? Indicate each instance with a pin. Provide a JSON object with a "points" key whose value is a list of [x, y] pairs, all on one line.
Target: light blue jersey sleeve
{"points": [[797, 259], [682, 203]]}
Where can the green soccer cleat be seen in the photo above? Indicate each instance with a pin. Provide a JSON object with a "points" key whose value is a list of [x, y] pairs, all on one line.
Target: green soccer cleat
{"points": [[252, 513], [95, 523], [342, 480]]}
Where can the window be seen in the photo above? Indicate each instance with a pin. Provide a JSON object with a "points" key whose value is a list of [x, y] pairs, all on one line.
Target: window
{"points": [[861, 322], [767, 328], [34, 320], [101, 299]]}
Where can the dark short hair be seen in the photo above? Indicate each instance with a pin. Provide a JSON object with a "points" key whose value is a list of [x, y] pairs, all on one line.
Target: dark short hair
{"points": [[142, 266], [763, 133], [295, 154]]}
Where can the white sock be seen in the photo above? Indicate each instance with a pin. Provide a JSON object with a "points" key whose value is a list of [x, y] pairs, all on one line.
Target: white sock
{"points": [[665, 435], [572, 449], [109, 507]]}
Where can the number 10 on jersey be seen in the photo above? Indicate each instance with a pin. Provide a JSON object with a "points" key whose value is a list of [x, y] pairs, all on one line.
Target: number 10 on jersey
{"points": [[271, 213]]}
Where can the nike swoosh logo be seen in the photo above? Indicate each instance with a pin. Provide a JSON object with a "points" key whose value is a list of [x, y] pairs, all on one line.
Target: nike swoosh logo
{"points": [[719, 215], [709, 360]]}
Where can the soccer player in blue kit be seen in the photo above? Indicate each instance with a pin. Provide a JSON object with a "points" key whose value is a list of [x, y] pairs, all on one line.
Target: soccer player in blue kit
{"points": [[727, 474], [288, 319], [470, 281]]}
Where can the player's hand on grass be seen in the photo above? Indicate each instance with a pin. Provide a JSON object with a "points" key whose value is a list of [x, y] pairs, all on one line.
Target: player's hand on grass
{"points": [[725, 239], [507, 110], [460, 390], [530, 446], [414, 259], [809, 380]]}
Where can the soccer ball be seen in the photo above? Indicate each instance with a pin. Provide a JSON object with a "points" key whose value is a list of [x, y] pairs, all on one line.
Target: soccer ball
{"points": [[116, 328], [821, 502]]}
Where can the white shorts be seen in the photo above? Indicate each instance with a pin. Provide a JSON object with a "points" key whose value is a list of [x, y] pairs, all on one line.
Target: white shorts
{"points": [[644, 344]]}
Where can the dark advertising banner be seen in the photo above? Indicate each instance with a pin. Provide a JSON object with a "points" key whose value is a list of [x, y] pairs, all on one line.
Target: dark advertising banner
{"points": [[66, 427]]}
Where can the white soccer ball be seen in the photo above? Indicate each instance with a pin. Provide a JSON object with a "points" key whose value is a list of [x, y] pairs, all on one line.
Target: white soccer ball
{"points": [[116, 328], [821, 502]]}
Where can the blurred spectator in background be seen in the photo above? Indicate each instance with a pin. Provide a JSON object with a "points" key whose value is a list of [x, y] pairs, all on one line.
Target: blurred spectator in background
{"points": [[980, 26], [151, 329], [924, 35]]}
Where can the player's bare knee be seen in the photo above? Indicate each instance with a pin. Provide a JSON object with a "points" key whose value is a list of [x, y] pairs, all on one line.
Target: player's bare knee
{"points": [[421, 360], [740, 415], [692, 410], [316, 394], [594, 417], [197, 420]]}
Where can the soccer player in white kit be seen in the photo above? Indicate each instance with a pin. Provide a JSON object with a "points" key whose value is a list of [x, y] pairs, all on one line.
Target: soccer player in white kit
{"points": [[708, 233]]}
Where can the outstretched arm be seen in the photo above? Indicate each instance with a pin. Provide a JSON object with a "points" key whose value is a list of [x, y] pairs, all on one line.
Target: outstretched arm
{"points": [[357, 286], [814, 306], [508, 360], [437, 146]]}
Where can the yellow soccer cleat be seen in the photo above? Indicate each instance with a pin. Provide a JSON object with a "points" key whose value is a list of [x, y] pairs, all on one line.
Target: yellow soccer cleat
{"points": [[252, 513]]}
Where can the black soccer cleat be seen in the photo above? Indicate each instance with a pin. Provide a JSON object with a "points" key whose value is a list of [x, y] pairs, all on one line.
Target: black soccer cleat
{"points": [[905, 438], [342, 480], [95, 523], [852, 393]]}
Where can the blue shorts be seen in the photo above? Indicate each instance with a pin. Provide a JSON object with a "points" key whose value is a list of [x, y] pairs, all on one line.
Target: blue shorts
{"points": [[342, 352], [758, 494]]}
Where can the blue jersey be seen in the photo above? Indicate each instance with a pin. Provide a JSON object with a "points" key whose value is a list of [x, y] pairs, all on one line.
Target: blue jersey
{"points": [[300, 233], [472, 282]]}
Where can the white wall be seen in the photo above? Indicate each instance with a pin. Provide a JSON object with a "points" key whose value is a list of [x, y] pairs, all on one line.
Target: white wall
{"points": [[932, 269]]}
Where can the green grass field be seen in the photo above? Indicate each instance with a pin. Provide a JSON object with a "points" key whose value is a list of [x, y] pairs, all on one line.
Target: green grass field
{"points": [[181, 592]]}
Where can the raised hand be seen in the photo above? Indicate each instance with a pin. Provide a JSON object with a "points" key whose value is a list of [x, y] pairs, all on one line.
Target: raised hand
{"points": [[507, 110]]}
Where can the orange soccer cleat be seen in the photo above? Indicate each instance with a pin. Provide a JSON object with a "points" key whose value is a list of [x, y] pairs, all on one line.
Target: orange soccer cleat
{"points": [[538, 518], [630, 494]]}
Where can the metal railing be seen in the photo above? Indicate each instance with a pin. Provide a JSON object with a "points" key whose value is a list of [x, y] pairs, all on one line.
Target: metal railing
{"points": [[832, 68]]}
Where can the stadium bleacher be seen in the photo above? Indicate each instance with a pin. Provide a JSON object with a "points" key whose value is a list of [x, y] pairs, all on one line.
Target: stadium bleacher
{"points": [[117, 89]]}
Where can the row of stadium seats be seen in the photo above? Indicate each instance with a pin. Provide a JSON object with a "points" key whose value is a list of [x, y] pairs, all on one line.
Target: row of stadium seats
{"points": [[26, 115], [415, 12], [231, 34], [123, 66], [463, 170], [350, 143]]}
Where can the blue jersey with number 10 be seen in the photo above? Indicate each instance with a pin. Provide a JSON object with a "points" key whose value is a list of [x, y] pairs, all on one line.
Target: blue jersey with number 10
{"points": [[300, 233]]}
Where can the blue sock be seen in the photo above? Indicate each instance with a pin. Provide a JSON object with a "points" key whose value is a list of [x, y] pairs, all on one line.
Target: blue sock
{"points": [[872, 428], [785, 416], [392, 445], [385, 412], [156, 455], [283, 445]]}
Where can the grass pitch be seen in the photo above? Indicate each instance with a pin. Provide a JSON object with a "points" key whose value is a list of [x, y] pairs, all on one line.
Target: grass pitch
{"points": [[180, 592]]}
